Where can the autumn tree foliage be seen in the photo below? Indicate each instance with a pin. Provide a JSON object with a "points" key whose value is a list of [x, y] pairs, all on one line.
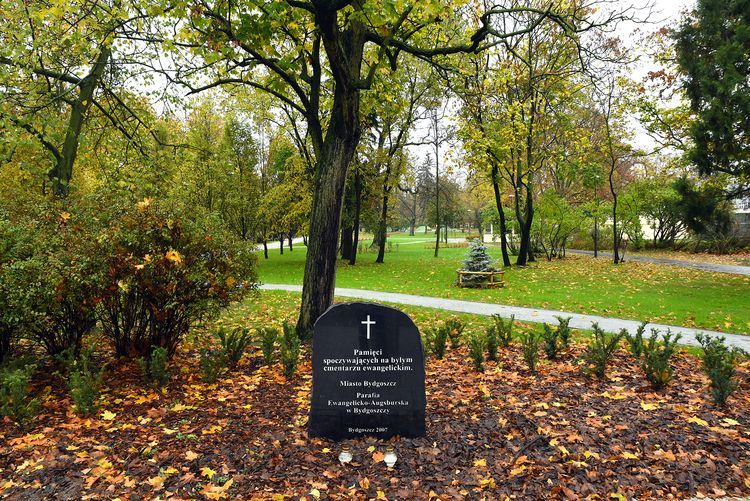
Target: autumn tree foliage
{"points": [[331, 53]]}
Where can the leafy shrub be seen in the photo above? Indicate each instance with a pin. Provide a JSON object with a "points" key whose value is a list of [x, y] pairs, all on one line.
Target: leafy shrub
{"points": [[166, 268], [550, 338], [289, 351], [600, 350], [213, 364], [268, 337], [530, 348], [504, 329], [437, 340], [455, 329], [54, 288], [718, 362], [14, 247], [563, 331], [85, 382], [491, 342], [233, 345], [656, 357], [14, 393], [477, 344], [635, 341], [155, 368]]}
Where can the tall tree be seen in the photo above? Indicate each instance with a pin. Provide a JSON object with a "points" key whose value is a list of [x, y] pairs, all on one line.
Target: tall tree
{"points": [[317, 57], [396, 108], [713, 52], [436, 137], [617, 155]]}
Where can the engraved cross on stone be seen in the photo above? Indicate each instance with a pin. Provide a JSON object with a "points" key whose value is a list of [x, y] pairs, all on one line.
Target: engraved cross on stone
{"points": [[368, 323]]}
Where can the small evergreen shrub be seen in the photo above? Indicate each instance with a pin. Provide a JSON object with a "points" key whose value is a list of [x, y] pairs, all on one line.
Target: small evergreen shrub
{"points": [[491, 342], [437, 340], [504, 330], [15, 402], [267, 337], [718, 362], [477, 344], [530, 348], [154, 368], [656, 356], [84, 383], [550, 339], [289, 351], [563, 331], [455, 329], [477, 259], [213, 363], [234, 343], [635, 341], [600, 350]]}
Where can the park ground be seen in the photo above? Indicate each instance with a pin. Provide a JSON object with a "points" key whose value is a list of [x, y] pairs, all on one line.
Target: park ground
{"points": [[504, 432], [577, 284]]}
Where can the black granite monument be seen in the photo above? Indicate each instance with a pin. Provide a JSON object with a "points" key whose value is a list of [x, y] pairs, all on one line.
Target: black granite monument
{"points": [[368, 374]]}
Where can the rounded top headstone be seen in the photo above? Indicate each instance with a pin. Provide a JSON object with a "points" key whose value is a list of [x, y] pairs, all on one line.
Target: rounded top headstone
{"points": [[368, 373]]}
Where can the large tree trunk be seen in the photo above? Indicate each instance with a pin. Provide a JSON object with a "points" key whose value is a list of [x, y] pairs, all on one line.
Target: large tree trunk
{"points": [[501, 214], [344, 50], [338, 150], [62, 172]]}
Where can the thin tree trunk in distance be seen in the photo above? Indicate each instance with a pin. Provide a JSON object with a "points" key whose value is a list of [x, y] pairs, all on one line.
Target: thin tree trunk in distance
{"points": [[437, 184], [357, 210], [346, 242], [501, 214], [382, 229]]}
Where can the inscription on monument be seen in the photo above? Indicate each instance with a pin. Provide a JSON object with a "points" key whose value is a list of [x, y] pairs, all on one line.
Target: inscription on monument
{"points": [[368, 373]]}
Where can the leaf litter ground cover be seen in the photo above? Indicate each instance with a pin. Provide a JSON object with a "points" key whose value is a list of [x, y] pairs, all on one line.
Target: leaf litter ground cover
{"points": [[504, 432]]}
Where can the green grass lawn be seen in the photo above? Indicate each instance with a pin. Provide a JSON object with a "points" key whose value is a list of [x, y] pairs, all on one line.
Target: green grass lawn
{"points": [[578, 284], [274, 307]]}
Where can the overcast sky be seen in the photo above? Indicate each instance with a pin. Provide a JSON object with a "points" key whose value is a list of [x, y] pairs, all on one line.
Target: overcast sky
{"points": [[671, 8]]}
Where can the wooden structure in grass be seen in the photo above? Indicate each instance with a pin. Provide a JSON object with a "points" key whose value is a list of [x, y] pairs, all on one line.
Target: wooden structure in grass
{"points": [[480, 279]]}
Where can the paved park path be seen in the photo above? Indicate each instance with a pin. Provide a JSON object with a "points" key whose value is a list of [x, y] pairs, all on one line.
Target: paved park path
{"points": [[718, 268], [578, 320]]}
